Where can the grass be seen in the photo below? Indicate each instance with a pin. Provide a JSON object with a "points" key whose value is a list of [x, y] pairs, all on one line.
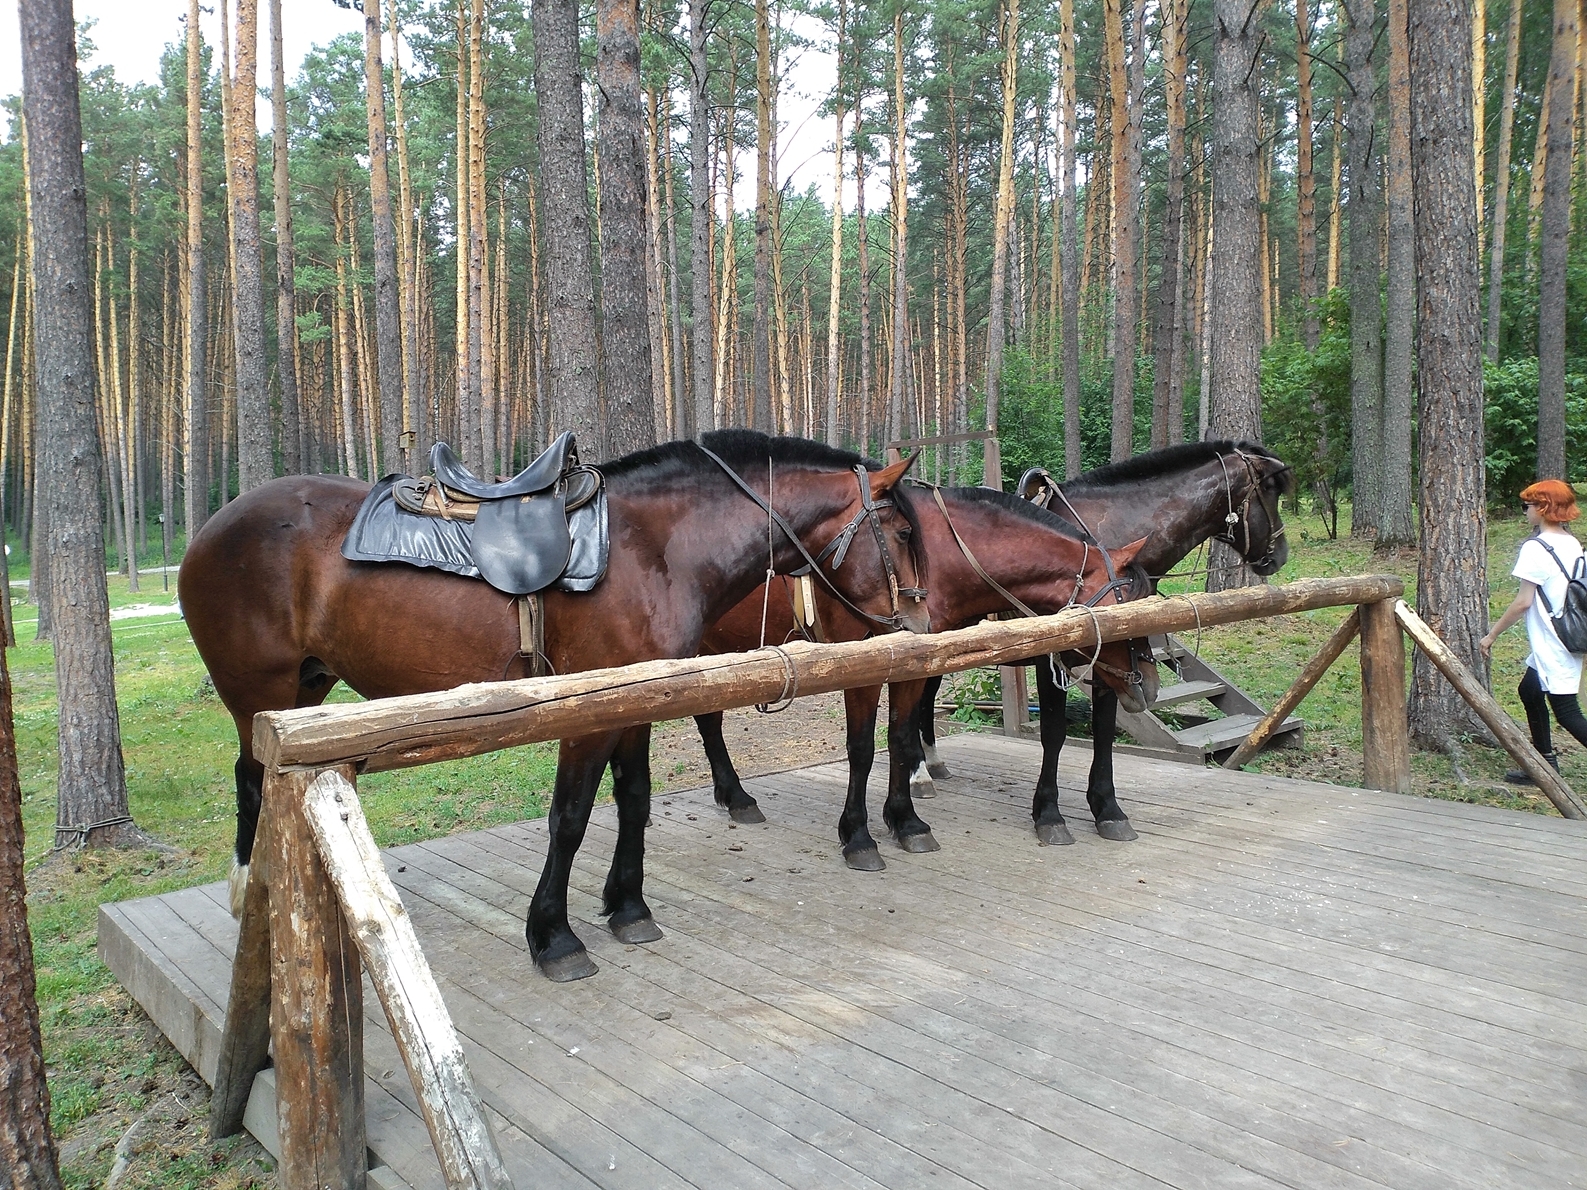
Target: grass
{"points": [[180, 745]]}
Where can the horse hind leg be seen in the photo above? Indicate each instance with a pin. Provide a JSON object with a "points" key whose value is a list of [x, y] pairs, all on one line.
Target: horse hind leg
{"points": [[1051, 829], [623, 900], [936, 767], [1112, 822], [313, 682]]}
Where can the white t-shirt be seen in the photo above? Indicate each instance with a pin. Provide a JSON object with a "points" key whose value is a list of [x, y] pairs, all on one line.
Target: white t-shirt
{"points": [[1558, 670]]}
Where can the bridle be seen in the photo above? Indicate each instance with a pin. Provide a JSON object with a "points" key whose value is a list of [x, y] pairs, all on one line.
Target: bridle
{"points": [[870, 510], [1115, 586], [1241, 516]]}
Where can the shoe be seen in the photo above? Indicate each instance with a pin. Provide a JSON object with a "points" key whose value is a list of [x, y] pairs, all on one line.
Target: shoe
{"points": [[1522, 777]]}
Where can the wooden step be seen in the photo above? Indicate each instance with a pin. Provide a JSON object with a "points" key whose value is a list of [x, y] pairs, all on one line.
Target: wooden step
{"points": [[1220, 735], [1190, 691]]}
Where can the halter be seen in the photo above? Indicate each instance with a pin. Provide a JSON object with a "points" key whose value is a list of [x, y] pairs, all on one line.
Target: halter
{"points": [[870, 510]]}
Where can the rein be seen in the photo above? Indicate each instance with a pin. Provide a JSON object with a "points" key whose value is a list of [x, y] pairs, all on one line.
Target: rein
{"points": [[1115, 586], [870, 510]]}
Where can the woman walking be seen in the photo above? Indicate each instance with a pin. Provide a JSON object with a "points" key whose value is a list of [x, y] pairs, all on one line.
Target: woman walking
{"points": [[1544, 565]]}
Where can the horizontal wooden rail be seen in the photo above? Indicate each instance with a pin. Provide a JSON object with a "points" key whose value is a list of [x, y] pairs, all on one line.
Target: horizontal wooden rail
{"points": [[394, 733]]}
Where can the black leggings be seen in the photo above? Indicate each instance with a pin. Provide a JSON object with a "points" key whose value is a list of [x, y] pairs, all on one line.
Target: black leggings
{"points": [[1566, 710]]}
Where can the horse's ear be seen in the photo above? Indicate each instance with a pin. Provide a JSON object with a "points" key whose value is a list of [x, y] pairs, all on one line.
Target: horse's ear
{"points": [[884, 480], [1126, 554]]}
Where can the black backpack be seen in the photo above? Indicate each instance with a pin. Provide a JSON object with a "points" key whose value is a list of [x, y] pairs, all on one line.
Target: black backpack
{"points": [[1570, 622]]}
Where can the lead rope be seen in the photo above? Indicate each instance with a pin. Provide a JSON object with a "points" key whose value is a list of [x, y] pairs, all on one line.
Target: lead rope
{"points": [[790, 679]]}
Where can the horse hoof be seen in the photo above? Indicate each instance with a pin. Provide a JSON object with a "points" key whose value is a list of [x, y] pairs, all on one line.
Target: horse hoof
{"points": [[867, 859], [919, 844], [1118, 830], [921, 787], [567, 968], [237, 887], [938, 770], [641, 929], [749, 815], [1054, 834]]}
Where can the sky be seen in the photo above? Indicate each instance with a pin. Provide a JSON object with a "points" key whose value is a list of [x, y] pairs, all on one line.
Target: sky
{"points": [[130, 35]]}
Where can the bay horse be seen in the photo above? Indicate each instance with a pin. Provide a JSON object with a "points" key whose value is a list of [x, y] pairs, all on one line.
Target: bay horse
{"points": [[279, 616], [1018, 550], [1177, 498]]}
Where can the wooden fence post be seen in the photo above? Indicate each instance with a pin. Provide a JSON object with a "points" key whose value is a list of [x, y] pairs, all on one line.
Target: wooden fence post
{"points": [[245, 1044], [1385, 729], [1016, 698], [317, 1010]]}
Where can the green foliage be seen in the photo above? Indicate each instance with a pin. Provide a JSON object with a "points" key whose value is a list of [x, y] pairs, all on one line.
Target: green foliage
{"points": [[1510, 394], [1031, 420], [1306, 415]]}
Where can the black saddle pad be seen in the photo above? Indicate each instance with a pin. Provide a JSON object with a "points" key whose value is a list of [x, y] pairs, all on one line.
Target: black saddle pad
{"points": [[515, 545]]}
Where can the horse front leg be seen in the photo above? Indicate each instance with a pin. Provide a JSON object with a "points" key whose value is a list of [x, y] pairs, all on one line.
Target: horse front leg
{"points": [[904, 758], [1051, 829], [859, 849], [936, 767], [1112, 822], [553, 945], [730, 792], [623, 901]]}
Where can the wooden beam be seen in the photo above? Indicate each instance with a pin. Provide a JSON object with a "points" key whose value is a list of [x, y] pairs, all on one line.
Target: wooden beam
{"points": [[1515, 741], [245, 1043], [1016, 698], [317, 1009], [420, 1023], [395, 733], [942, 439], [1385, 729], [1315, 668]]}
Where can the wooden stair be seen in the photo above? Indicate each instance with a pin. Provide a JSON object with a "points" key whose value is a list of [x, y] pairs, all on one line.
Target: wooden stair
{"points": [[1214, 728]]}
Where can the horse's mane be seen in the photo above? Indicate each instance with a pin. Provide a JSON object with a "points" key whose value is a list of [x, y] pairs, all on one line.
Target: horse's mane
{"points": [[1154, 464], [749, 452]]}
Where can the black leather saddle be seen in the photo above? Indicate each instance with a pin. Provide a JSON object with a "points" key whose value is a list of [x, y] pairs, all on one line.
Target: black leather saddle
{"points": [[545, 526]]}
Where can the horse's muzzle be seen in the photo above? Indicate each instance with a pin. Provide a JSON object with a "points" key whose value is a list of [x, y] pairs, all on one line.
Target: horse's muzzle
{"points": [[913, 616], [1137, 697]]}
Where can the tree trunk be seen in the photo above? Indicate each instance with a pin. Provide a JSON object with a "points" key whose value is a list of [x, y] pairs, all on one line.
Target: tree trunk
{"points": [[625, 313], [1395, 526], [701, 219], [862, 230], [1305, 180], [761, 416], [255, 456], [1236, 355], [27, 1150], [1070, 259], [899, 399], [195, 406], [663, 396], [682, 417], [1169, 335], [1501, 179], [564, 197], [91, 787], [286, 263], [1124, 204], [835, 291], [1335, 201], [414, 420], [466, 413], [1366, 318], [1452, 576], [478, 438], [996, 330], [388, 309], [1553, 250]]}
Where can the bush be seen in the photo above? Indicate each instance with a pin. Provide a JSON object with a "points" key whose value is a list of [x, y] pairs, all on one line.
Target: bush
{"points": [[1306, 408], [1510, 399]]}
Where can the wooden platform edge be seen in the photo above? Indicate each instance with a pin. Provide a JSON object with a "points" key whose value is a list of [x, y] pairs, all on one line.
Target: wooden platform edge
{"points": [[173, 1003]]}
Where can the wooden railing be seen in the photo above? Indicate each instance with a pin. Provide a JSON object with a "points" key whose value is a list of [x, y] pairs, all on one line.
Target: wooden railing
{"points": [[320, 907]]}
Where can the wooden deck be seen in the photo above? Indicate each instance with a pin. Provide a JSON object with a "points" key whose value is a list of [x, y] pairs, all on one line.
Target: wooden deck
{"points": [[1279, 984]]}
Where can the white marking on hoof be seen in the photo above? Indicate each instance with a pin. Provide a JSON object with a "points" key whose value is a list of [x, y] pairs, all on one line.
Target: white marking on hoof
{"points": [[920, 782], [237, 886]]}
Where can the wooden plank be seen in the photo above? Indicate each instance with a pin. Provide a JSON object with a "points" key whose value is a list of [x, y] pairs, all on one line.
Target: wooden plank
{"points": [[419, 1022], [1385, 728], [402, 732], [245, 1042], [1016, 698], [1299, 689], [316, 1014], [1515, 741]]}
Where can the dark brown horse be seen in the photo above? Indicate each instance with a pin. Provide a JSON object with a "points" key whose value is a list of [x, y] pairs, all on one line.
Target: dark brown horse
{"points": [[1039, 559], [279, 616], [1177, 498]]}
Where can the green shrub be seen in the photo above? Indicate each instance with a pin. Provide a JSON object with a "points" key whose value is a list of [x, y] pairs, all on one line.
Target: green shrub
{"points": [[1510, 399]]}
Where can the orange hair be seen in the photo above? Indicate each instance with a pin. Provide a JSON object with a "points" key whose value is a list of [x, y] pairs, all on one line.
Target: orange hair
{"points": [[1554, 498]]}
